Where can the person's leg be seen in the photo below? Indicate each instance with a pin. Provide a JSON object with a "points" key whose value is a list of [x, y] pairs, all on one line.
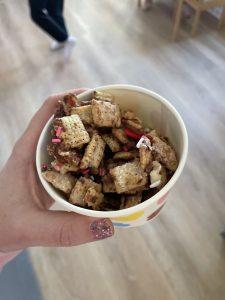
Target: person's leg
{"points": [[55, 10], [45, 21]]}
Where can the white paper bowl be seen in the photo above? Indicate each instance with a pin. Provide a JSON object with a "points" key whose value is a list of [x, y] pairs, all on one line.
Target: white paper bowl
{"points": [[154, 111]]}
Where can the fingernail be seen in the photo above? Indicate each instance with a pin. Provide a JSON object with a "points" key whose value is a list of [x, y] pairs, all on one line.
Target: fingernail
{"points": [[102, 229]]}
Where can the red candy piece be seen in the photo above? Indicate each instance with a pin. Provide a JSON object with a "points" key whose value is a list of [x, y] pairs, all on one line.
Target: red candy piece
{"points": [[56, 141], [86, 171], [101, 171], [58, 166], [71, 102], [132, 134], [58, 131]]}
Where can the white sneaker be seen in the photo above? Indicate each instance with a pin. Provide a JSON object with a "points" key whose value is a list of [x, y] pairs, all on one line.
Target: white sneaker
{"points": [[55, 45], [68, 47], [71, 40]]}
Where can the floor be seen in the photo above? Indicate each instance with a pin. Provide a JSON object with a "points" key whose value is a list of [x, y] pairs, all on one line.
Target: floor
{"points": [[18, 280], [181, 254]]}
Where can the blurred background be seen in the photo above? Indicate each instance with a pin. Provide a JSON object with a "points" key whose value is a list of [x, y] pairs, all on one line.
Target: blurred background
{"points": [[181, 254]]}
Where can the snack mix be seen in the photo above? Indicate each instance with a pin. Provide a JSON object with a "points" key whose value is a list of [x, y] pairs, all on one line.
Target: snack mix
{"points": [[104, 158]]}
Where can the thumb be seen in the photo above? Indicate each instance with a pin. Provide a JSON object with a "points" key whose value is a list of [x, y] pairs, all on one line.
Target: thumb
{"points": [[57, 228]]}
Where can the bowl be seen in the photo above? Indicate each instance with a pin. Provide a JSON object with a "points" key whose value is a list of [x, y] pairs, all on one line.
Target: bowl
{"points": [[155, 112]]}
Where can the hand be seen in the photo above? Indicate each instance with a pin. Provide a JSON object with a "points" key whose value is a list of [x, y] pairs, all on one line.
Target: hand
{"points": [[24, 216]]}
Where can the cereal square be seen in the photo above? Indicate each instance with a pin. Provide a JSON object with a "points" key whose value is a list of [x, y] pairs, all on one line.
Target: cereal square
{"points": [[74, 133], [64, 183], [84, 112], [129, 177], [106, 114], [80, 189], [94, 153]]}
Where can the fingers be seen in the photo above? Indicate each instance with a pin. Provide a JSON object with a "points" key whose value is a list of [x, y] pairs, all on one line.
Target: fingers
{"points": [[56, 228]]}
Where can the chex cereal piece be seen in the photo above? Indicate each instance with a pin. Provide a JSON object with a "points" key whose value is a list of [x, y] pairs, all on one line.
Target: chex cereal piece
{"points": [[89, 152], [64, 183], [163, 152], [131, 121], [112, 142], [123, 155], [99, 153], [69, 156], [68, 168], [120, 135], [110, 164], [133, 125], [108, 184], [80, 189], [74, 133], [106, 114], [93, 153], [64, 168], [84, 112], [152, 134], [64, 106], [93, 198], [64, 156], [128, 115], [102, 96], [145, 156], [130, 200], [52, 149], [128, 177]]}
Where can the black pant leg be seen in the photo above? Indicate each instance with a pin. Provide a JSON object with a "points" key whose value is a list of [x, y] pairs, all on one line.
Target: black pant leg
{"points": [[45, 21], [55, 10]]}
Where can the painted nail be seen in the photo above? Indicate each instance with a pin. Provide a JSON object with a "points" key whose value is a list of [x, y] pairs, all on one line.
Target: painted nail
{"points": [[102, 229]]}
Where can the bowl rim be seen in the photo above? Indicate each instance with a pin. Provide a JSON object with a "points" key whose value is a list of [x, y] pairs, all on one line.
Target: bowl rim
{"points": [[127, 211]]}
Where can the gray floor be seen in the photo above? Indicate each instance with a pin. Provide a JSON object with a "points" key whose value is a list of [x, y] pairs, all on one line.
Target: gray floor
{"points": [[18, 281]]}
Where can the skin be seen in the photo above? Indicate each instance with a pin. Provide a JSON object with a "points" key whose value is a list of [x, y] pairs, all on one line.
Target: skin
{"points": [[25, 220]]}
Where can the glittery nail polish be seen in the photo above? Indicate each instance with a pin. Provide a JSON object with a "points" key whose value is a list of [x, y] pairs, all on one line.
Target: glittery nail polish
{"points": [[102, 229]]}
